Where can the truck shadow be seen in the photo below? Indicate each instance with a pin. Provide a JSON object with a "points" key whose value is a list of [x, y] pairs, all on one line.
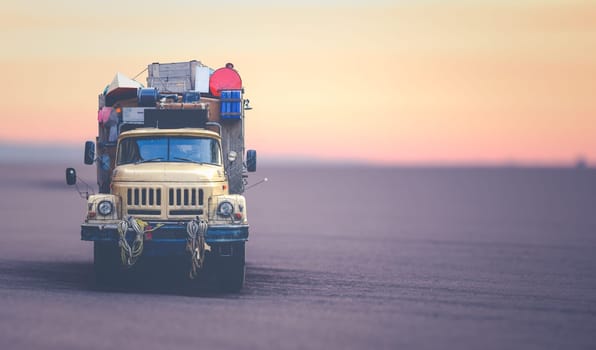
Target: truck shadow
{"points": [[54, 275], [78, 275], [167, 279], [172, 279]]}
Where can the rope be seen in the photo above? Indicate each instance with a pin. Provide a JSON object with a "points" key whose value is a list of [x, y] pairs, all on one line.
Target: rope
{"points": [[130, 254], [195, 245], [136, 76], [195, 242]]}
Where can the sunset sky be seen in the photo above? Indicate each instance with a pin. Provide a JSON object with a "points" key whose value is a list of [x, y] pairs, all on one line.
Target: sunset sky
{"points": [[386, 82]]}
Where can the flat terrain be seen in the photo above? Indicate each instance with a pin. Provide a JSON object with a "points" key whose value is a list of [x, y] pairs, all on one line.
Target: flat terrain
{"points": [[339, 258]]}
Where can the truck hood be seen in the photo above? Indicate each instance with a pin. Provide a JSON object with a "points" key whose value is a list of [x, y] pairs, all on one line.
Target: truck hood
{"points": [[168, 172]]}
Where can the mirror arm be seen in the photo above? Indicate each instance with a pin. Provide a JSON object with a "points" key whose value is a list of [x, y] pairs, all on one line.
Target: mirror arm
{"points": [[88, 189]]}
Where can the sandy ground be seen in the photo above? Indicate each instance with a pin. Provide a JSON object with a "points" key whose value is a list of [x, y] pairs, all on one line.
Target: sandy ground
{"points": [[339, 258]]}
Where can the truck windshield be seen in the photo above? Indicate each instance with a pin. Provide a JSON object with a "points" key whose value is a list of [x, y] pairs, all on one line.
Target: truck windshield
{"points": [[169, 149]]}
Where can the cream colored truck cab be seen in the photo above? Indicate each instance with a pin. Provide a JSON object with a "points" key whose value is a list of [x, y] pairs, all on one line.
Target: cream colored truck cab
{"points": [[164, 181]]}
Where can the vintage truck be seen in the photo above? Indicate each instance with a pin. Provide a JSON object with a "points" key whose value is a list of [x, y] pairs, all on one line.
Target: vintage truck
{"points": [[171, 173]]}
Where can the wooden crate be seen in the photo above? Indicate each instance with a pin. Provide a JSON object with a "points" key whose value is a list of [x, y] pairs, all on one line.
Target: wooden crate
{"points": [[172, 77]]}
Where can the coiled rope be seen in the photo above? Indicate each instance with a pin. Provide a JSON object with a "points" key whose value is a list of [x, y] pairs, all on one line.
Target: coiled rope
{"points": [[130, 254], [195, 245]]}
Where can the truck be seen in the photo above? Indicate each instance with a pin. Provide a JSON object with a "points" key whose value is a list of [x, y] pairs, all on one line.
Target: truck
{"points": [[171, 173]]}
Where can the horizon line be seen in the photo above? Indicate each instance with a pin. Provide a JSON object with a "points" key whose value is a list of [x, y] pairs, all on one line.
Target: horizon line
{"points": [[19, 153]]}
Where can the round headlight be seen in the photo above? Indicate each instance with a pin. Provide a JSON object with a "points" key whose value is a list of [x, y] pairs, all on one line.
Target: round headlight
{"points": [[105, 208], [225, 209]]}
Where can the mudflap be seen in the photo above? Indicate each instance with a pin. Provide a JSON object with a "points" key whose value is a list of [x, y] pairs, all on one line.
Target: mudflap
{"points": [[107, 263], [224, 270]]}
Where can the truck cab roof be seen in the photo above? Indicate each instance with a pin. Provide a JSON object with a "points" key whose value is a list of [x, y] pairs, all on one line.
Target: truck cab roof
{"points": [[196, 132]]}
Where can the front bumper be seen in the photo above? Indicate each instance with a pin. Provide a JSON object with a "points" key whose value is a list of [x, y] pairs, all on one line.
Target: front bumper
{"points": [[169, 232]]}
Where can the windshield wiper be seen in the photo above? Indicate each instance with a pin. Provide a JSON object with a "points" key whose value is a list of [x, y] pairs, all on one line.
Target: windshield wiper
{"points": [[189, 160], [149, 160]]}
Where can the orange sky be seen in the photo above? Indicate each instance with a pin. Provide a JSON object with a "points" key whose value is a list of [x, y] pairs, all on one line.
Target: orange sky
{"points": [[380, 81]]}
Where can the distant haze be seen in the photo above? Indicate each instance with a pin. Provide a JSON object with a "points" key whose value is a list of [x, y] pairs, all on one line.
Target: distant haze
{"points": [[72, 155], [383, 82], [11, 153]]}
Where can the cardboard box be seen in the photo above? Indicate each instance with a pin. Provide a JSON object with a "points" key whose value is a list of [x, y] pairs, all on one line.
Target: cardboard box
{"points": [[213, 105], [133, 115]]}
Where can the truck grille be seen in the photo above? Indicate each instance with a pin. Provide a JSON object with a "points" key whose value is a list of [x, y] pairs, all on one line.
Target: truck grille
{"points": [[143, 197], [185, 197], [180, 201], [143, 201], [185, 201]]}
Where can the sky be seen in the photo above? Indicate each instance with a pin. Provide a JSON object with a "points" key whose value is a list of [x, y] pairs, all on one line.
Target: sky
{"points": [[382, 82]]}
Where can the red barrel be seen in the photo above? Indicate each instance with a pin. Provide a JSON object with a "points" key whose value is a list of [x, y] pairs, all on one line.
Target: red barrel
{"points": [[224, 79]]}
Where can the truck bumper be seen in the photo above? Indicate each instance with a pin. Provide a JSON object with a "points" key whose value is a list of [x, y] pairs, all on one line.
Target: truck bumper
{"points": [[168, 233]]}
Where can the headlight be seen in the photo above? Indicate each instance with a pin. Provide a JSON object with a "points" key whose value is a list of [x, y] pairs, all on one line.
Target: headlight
{"points": [[105, 208], [225, 209]]}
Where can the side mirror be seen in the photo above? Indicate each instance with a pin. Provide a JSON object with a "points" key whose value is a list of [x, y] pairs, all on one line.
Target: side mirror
{"points": [[71, 176], [251, 160], [89, 152]]}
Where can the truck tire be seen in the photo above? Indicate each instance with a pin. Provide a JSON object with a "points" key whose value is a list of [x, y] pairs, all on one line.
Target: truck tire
{"points": [[231, 269], [106, 263]]}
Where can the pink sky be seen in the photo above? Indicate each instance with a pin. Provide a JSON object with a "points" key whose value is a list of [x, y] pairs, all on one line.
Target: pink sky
{"points": [[410, 82]]}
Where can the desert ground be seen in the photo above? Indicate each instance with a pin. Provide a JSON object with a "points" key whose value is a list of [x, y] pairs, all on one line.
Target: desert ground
{"points": [[339, 257]]}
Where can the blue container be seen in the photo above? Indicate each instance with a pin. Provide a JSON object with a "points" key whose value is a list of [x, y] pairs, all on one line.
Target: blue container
{"points": [[231, 104], [225, 103], [236, 101], [147, 97], [191, 96]]}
